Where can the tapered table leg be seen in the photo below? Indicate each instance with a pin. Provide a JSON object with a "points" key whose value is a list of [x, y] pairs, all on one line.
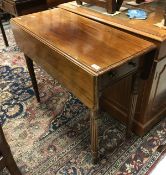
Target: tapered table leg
{"points": [[133, 102], [3, 34], [79, 2], [119, 4], [94, 134], [111, 6], [165, 17], [29, 63]]}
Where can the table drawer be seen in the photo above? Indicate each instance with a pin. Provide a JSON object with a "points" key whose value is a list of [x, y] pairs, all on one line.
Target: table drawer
{"points": [[115, 74]]}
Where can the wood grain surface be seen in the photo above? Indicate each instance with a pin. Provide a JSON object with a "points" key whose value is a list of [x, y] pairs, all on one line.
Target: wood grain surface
{"points": [[82, 41], [142, 27]]}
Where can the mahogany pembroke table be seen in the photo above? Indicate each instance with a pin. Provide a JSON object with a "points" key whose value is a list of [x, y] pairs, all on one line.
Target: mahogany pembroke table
{"points": [[85, 56]]}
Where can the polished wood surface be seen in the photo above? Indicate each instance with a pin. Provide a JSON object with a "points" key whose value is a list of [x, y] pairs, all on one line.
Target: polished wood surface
{"points": [[58, 65], [80, 57], [86, 49], [151, 105], [142, 27]]}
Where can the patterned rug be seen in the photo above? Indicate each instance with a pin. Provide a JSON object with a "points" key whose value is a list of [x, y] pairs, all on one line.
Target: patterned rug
{"points": [[53, 137]]}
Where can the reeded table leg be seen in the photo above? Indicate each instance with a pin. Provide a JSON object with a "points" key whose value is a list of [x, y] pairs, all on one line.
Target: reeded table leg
{"points": [[29, 63], [94, 114], [133, 102], [3, 34], [94, 134]]}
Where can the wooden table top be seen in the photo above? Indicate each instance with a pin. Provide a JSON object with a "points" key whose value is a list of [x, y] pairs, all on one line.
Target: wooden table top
{"points": [[87, 43], [143, 27]]}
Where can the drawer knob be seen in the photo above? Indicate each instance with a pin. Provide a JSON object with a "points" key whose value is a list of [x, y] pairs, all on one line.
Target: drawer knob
{"points": [[111, 74], [132, 64]]}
